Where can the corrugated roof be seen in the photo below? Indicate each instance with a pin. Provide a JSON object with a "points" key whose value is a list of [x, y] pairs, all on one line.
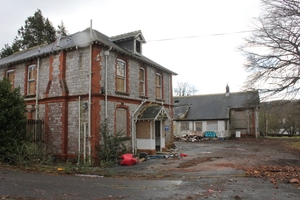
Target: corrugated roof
{"points": [[76, 40], [213, 106]]}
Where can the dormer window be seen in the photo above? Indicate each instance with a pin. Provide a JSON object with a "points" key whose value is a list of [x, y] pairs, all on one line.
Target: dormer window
{"points": [[138, 47], [132, 41]]}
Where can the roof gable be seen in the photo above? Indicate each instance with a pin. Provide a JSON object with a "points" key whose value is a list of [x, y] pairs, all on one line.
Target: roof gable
{"points": [[129, 36], [153, 113]]}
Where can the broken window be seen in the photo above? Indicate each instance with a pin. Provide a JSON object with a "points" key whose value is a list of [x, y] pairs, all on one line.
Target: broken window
{"points": [[184, 126], [198, 126]]}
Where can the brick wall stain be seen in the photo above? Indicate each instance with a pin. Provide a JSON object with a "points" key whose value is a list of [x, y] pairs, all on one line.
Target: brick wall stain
{"points": [[111, 74], [55, 87], [55, 127], [77, 71], [73, 127], [41, 111], [44, 76]]}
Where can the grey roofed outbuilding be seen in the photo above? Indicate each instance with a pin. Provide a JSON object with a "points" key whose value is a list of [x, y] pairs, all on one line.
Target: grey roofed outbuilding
{"points": [[74, 41], [213, 106]]}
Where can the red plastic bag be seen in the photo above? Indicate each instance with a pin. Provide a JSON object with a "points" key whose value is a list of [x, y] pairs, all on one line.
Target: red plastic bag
{"points": [[128, 159], [183, 155]]}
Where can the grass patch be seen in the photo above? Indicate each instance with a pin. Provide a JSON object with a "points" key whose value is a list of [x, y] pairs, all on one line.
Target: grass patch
{"points": [[295, 145]]}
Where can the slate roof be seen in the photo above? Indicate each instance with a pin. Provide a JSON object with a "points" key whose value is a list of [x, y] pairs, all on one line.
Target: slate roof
{"points": [[76, 40], [153, 113], [127, 36], [212, 106]]}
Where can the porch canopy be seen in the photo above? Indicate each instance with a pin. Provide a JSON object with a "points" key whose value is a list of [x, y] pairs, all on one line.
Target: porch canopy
{"points": [[150, 113]]}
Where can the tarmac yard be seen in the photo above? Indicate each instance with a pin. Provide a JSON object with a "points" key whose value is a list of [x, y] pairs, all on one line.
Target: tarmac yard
{"points": [[264, 168]]}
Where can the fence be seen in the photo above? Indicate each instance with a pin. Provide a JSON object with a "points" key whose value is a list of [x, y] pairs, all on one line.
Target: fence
{"points": [[35, 130]]}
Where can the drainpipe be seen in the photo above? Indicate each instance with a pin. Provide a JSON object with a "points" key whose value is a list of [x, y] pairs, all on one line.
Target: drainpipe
{"points": [[84, 140], [79, 124], [37, 89], [37, 95], [90, 96], [106, 54], [133, 129]]}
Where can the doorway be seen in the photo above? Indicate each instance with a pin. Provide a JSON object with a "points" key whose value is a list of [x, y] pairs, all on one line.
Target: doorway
{"points": [[157, 135]]}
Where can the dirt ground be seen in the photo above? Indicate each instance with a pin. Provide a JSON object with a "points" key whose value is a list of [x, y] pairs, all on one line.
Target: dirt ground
{"points": [[264, 168], [272, 159]]}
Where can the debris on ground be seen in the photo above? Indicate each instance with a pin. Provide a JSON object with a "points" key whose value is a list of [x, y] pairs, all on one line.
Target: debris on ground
{"points": [[197, 136], [128, 159], [286, 174]]}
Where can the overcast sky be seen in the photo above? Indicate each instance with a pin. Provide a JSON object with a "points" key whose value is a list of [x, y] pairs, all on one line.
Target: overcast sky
{"points": [[208, 61]]}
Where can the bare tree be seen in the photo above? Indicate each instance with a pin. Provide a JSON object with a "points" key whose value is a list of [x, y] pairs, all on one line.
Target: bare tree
{"points": [[273, 52], [184, 89], [278, 117]]}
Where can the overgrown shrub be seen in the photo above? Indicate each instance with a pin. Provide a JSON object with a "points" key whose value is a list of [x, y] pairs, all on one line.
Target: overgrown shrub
{"points": [[12, 120], [112, 146], [29, 154]]}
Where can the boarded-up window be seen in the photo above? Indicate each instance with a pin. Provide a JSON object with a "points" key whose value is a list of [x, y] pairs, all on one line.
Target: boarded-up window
{"points": [[184, 126], [31, 79], [121, 76], [142, 81], [198, 126], [212, 125], [121, 121], [240, 119], [158, 86], [10, 74]]}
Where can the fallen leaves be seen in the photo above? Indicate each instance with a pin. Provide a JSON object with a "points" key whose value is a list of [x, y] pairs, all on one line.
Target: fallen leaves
{"points": [[287, 174]]}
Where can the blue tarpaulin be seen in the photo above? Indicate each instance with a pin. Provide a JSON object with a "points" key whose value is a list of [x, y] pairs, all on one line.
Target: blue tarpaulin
{"points": [[210, 134]]}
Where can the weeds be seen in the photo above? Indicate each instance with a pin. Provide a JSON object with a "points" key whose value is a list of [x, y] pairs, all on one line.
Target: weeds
{"points": [[111, 148], [29, 154]]}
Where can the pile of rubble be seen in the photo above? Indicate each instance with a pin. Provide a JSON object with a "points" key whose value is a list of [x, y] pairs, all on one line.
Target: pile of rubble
{"points": [[198, 136]]}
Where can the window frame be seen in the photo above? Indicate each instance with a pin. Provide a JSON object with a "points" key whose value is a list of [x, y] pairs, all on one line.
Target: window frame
{"points": [[158, 86], [184, 125], [121, 77], [125, 133], [142, 82], [31, 80], [138, 47], [11, 71]]}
